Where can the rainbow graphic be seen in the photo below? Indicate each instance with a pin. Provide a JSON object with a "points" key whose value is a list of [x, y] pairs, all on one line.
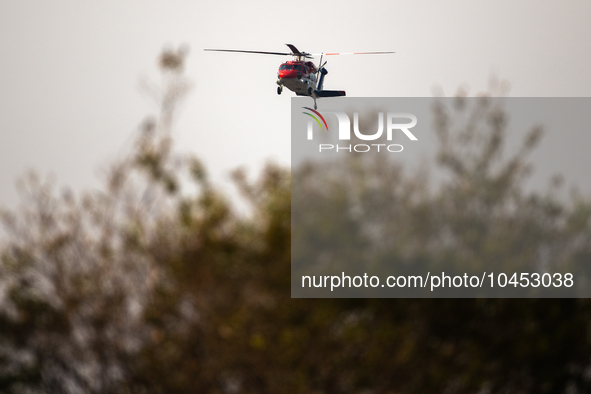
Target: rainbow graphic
{"points": [[315, 118]]}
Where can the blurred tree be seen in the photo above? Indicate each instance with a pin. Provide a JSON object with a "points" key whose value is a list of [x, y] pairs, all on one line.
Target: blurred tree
{"points": [[146, 287], [366, 213]]}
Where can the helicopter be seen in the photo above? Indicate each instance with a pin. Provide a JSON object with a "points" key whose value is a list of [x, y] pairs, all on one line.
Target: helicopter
{"points": [[300, 75]]}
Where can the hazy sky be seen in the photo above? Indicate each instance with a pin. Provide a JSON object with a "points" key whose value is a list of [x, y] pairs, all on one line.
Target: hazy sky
{"points": [[70, 70]]}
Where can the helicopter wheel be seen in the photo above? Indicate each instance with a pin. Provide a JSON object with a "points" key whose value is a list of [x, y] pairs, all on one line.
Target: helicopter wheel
{"points": [[279, 89], [310, 91]]}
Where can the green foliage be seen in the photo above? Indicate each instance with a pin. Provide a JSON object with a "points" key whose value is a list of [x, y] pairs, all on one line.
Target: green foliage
{"points": [[148, 288]]}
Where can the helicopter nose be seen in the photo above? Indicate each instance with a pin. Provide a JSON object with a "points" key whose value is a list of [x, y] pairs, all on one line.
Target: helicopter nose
{"points": [[288, 74]]}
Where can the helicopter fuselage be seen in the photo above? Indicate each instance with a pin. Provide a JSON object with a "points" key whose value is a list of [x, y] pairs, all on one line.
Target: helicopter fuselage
{"points": [[298, 76]]}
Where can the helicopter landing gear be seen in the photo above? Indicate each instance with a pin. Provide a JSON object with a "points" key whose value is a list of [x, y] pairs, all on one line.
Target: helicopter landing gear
{"points": [[315, 106], [279, 89], [310, 90]]}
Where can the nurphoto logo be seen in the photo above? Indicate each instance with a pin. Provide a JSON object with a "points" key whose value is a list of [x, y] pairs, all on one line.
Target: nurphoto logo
{"points": [[393, 123]]}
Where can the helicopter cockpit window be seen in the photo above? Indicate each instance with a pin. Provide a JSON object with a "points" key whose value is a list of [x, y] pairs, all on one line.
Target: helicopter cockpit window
{"points": [[283, 67]]}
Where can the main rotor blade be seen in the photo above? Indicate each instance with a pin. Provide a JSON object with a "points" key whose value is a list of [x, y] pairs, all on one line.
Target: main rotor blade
{"points": [[351, 53], [294, 50], [237, 50]]}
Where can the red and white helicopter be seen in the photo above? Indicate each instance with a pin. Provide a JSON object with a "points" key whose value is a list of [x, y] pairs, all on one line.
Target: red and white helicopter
{"points": [[301, 75]]}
